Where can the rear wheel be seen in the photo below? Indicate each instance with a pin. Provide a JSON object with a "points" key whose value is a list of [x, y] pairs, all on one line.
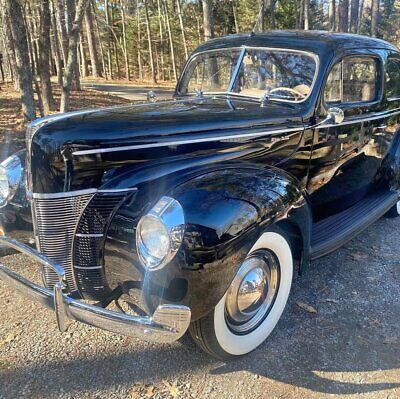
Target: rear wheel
{"points": [[253, 304]]}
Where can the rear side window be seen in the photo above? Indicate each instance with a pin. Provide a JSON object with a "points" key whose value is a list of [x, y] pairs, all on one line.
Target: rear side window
{"points": [[352, 80], [392, 79]]}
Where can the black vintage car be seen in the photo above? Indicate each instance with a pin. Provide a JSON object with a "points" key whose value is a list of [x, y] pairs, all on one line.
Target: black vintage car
{"points": [[196, 213]]}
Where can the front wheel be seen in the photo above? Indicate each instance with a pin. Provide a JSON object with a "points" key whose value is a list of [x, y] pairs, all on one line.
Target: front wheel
{"points": [[252, 306]]}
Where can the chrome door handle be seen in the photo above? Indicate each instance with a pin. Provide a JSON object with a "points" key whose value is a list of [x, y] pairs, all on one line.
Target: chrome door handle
{"points": [[381, 127]]}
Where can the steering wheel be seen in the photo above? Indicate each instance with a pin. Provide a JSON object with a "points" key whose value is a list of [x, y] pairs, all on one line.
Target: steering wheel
{"points": [[289, 90]]}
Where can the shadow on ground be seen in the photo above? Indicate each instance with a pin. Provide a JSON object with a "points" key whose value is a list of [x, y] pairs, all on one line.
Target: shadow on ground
{"points": [[355, 330]]}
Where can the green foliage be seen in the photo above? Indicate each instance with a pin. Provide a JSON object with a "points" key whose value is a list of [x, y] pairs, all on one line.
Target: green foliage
{"points": [[229, 16]]}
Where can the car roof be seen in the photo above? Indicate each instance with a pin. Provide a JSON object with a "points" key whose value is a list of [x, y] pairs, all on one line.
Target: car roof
{"points": [[314, 41]]}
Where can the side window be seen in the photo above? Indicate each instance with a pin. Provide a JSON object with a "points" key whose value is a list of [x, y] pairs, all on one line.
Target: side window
{"points": [[392, 79], [352, 80]]}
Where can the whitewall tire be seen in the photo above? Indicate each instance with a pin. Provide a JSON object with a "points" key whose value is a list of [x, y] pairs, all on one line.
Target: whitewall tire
{"points": [[253, 305]]}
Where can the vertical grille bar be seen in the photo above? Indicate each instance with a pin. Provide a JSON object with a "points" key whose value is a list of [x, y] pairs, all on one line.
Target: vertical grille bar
{"points": [[55, 220]]}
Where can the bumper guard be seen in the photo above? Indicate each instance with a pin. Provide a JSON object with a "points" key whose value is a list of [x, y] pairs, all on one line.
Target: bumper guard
{"points": [[168, 323]]}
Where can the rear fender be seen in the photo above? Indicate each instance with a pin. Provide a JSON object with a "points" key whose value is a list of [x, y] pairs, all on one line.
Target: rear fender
{"points": [[389, 172]]}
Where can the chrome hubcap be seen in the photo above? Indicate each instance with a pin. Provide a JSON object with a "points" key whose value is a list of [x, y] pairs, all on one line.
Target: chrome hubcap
{"points": [[253, 292]]}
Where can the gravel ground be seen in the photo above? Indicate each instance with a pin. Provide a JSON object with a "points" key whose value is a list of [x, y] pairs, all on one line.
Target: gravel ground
{"points": [[350, 346]]}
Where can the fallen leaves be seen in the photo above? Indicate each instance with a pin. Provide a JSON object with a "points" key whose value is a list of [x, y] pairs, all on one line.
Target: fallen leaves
{"points": [[330, 300], [7, 339], [161, 390], [172, 389], [306, 307], [358, 256]]}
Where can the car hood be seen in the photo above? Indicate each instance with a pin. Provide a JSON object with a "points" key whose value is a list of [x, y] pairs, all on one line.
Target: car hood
{"points": [[150, 122], [70, 151]]}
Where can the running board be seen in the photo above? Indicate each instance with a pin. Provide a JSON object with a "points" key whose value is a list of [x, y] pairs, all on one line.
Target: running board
{"points": [[334, 231]]}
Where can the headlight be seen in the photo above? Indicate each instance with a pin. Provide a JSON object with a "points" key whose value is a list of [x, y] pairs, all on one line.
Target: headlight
{"points": [[159, 234], [10, 178]]}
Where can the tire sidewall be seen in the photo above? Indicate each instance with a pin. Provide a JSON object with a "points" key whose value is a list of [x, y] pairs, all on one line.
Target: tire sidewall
{"points": [[237, 345]]}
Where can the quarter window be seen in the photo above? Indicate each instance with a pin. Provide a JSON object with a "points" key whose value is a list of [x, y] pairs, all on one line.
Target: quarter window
{"points": [[352, 80], [392, 79]]}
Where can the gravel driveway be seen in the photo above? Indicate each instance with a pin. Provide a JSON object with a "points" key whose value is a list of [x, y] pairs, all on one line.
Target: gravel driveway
{"points": [[348, 348]]}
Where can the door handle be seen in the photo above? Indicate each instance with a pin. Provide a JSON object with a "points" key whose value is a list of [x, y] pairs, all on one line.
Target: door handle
{"points": [[381, 127]]}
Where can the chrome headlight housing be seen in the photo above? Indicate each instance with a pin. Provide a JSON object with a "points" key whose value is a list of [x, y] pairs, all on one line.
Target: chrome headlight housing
{"points": [[159, 233], [10, 178]]}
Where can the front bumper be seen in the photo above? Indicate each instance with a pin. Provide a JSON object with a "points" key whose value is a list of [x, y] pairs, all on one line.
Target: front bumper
{"points": [[168, 323]]}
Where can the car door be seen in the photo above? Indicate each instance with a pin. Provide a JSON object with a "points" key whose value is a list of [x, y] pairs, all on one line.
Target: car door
{"points": [[385, 125], [340, 171]]}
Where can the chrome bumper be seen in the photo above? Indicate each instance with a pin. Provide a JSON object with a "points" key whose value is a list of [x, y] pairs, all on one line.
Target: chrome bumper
{"points": [[168, 323]]}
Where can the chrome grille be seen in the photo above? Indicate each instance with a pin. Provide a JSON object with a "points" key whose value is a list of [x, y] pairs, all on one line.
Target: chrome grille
{"points": [[89, 243], [55, 219]]}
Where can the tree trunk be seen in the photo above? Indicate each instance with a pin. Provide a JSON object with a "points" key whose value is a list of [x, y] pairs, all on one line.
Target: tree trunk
{"points": [[261, 10], [332, 15], [30, 43], [109, 60], [72, 54], [272, 13], [139, 42], [114, 41], [360, 16], [23, 68], [151, 55], [103, 60], [44, 57], [3, 77], [374, 18], [185, 47], [306, 14], [84, 65], [235, 19], [171, 41], [208, 20], [354, 10], [300, 21], [162, 69], [71, 12], [9, 47], [56, 46], [61, 24], [344, 15], [91, 40], [124, 41]]}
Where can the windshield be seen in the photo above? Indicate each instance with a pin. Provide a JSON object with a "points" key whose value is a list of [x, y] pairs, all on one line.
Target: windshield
{"points": [[284, 75]]}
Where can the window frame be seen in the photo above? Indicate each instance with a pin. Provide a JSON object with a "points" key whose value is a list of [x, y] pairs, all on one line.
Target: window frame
{"points": [[391, 58], [243, 50], [354, 104]]}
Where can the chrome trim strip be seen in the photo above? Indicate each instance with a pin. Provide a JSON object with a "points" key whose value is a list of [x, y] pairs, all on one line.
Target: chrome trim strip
{"points": [[89, 235], [167, 324], [117, 190], [88, 267], [180, 142], [67, 194], [365, 119], [64, 194], [218, 138]]}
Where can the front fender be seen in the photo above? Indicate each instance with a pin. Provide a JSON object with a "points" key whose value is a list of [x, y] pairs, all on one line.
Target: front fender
{"points": [[226, 210]]}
